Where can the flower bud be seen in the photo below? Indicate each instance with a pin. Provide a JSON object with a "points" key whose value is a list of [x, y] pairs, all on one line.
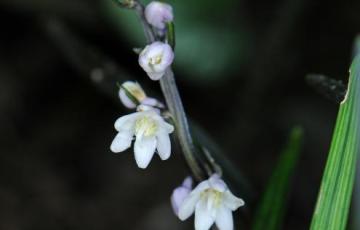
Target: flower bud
{"points": [[137, 94], [180, 193], [155, 59], [158, 14]]}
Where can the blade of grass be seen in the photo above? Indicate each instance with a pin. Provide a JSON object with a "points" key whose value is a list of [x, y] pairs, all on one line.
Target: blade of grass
{"points": [[333, 204], [270, 212]]}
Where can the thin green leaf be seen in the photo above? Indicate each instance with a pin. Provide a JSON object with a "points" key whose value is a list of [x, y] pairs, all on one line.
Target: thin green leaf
{"points": [[333, 204], [272, 206]]}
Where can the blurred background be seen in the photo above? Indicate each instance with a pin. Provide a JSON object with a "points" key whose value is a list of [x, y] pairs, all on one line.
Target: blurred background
{"points": [[240, 68]]}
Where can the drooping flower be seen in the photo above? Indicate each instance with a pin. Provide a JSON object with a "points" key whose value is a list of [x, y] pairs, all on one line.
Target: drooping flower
{"points": [[137, 96], [212, 202], [180, 193], [158, 14], [151, 133], [155, 59]]}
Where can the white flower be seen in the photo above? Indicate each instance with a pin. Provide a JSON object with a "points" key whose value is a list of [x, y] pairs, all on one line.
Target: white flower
{"points": [[158, 13], [135, 90], [212, 202], [151, 132], [180, 193], [155, 59]]}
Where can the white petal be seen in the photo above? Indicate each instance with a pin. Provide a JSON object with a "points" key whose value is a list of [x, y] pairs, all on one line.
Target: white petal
{"points": [[217, 183], [121, 142], [144, 150], [224, 218], [163, 146], [231, 201], [203, 217], [188, 206], [167, 127], [125, 122]]}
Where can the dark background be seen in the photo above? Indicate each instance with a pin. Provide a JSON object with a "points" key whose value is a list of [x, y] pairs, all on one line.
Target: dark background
{"points": [[60, 60]]}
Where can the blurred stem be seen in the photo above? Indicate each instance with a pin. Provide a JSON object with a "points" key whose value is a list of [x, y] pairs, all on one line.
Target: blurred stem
{"points": [[174, 103]]}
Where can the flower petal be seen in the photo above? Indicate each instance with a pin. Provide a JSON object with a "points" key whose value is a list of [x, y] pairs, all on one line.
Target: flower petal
{"points": [[144, 150], [163, 146], [217, 183], [232, 201], [188, 205], [167, 127], [125, 122], [177, 198], [203, 217], [121, 142], [224, 218]]}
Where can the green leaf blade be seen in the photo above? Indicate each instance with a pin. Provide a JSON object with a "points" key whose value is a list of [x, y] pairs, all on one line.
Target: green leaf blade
{"points": [[271, 210], [334, 198]]}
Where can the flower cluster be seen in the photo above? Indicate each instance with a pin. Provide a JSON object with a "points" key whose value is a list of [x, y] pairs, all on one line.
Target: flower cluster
{"points": [[151, 131], [211, 200]]}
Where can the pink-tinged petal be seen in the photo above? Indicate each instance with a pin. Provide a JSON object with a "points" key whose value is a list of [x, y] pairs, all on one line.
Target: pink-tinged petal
{"points": [[158, 13], [144, 149], [177, 198], [203, 216], [163, 146], [121, 142], [187, 183], [231, 201], [224, 219], [149, 101]]}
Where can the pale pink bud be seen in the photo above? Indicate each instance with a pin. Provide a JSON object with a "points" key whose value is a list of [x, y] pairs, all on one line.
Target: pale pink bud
{"points": [[155, 59], [158, 14], [180, 193]]}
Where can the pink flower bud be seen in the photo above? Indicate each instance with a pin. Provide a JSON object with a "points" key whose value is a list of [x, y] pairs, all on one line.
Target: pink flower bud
{"points": [[180, 193], [158, 13], [155, 59]]}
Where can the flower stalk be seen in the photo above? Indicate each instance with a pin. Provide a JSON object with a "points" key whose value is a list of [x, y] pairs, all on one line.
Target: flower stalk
{"points": [[174, 103]]}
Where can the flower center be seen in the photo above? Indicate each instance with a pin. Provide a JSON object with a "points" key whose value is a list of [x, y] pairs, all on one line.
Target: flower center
{"points": [[155, 60], [145, 126], [213, 197]]}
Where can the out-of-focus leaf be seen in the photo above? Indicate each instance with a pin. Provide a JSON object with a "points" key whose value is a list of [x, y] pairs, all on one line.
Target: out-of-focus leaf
{"points": [[330, 88], [356, 49], [271, 209], [333, 204], [206, 48]]}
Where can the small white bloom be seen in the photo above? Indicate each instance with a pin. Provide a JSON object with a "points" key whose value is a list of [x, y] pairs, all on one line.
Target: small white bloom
{"points": [[180, 193], [151, 132], [212, 202], [159, 13], [135, 90], [155, 59]]}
